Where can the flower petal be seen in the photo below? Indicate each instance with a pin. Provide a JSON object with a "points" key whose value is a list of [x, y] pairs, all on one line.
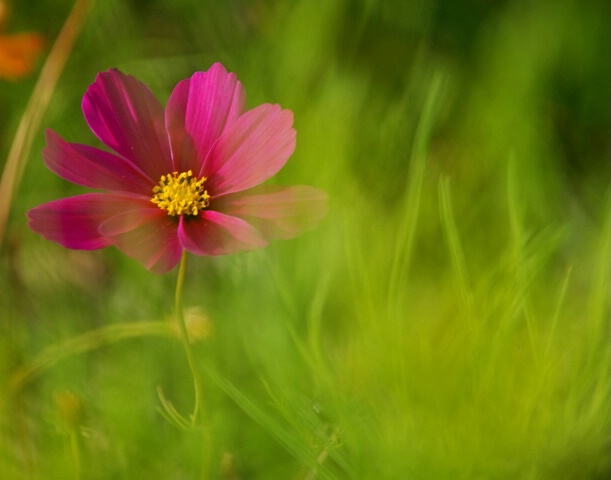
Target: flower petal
{"points": [[74, 222], [251, 150], [276, 211], [126, 116], [214, 233], [92, 167], [198, 111], [147, 235]]}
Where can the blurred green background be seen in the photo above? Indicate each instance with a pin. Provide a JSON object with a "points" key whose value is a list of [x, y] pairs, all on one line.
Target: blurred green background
{"points": [[448, 319]]}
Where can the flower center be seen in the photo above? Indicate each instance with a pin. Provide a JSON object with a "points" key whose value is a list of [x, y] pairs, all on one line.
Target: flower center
{"points": [[181, 194]]}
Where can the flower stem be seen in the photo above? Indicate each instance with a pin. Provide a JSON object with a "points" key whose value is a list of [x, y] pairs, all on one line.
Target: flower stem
{"points": [[76, 454], [199, 412], [180, 317]]}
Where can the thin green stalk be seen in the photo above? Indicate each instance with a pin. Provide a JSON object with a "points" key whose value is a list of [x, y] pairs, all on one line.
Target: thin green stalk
{"points": [[184, 335], [454, 245], [404, 239], [322, 456], [37, 106], [199, 408], [518, 254], [76, 454], [84, 343]]}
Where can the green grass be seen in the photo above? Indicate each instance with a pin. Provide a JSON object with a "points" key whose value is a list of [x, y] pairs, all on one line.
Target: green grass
{"points": [[448, 319]]}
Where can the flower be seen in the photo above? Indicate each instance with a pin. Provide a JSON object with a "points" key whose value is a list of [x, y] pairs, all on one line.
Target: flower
{"points": [[184, 178], [18, 54], [18, 51]]}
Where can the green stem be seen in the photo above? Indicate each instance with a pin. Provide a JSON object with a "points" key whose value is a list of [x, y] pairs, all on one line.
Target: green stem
{"points": [[180, 317], [199, 408], [76, 454]]}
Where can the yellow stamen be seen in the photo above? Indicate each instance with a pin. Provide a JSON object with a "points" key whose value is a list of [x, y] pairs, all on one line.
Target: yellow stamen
{"points": [[181, 194]]}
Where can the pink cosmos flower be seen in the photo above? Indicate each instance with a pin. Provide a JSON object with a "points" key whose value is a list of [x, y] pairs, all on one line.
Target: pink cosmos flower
{"points": [[184, 178]]}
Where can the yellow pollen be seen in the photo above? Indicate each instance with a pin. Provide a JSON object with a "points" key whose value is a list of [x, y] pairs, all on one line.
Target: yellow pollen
{"points": [[181, 194]]}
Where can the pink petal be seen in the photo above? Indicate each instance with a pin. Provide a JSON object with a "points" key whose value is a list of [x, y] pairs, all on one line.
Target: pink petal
{"points": [[213, 233], [91, 167], [126, 116], [74, 222], [251, 150], [198, 111], [146, 234], [277, 212]]}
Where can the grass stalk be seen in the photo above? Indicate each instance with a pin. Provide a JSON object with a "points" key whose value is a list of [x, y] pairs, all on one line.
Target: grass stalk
{"points": [[36, 108], [454, 245], [411, 203]]}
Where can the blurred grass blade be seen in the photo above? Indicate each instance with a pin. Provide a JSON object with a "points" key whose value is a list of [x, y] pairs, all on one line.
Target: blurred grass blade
{"points": [[85, 343], [291, 442], [513, 195], [598, 307], [515, 225], [454, 245], [169, 412], [411, 203], [307, 418], [37, 106], [557, 312]]}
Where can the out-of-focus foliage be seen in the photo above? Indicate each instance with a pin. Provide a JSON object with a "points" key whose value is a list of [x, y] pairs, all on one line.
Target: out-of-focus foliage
{"points": [[449, 319]]}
